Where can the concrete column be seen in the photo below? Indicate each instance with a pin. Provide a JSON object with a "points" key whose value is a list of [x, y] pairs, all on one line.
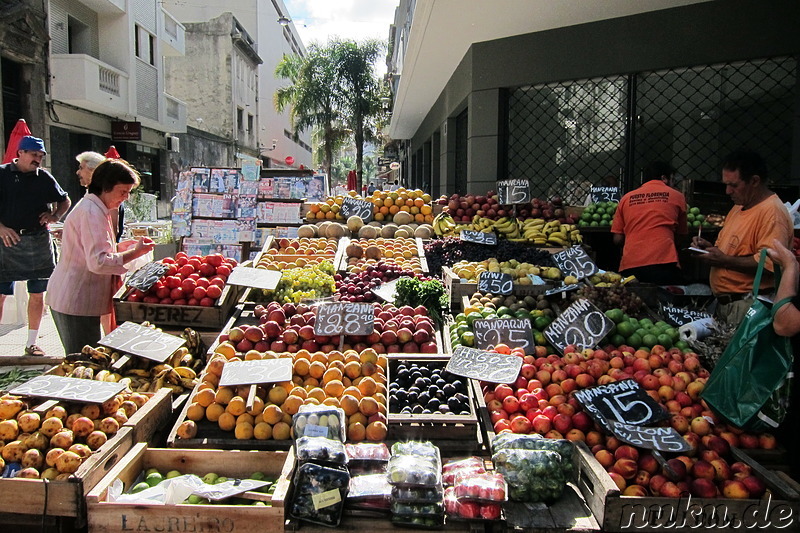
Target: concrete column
{"points": [[483, 140], [447, 157]]}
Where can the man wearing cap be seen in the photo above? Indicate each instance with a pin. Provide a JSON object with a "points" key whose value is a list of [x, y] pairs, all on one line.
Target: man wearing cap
{"points": [[26, 194]]}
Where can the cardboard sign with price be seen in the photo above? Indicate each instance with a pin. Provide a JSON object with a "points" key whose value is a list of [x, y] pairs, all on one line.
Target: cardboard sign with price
{"points": [[360, 208], [496, 283], [513, 332], [479, 237], [344, 319], [143, 341], [575, 262], [484, 366], [514, 191], [605, 194]]}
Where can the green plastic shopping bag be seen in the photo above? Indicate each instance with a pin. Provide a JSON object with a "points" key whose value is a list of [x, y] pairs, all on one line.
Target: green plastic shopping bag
{"points": [[749, 386]]}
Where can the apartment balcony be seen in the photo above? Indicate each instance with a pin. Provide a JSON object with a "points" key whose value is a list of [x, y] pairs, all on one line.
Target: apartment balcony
{"points": [[86, 82], [105, 7], [173, 114], [172, 36]]}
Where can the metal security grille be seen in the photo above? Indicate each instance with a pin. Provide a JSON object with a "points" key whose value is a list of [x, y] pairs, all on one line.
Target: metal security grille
{"points": [[567, 136]]}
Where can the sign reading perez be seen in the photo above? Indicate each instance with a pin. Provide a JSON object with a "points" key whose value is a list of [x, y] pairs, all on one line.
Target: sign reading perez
{"points": [[581, 324], [485, 366]]}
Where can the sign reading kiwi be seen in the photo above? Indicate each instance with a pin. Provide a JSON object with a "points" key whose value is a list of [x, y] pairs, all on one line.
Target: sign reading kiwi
{"points": [[344, 318], [513, 332], [359, 208], [496, 283], [260, 278], [485, 366], [623, 401], [581, 324], [574, 261], [664, 439], [136, 339], [256, 372], [605, 194], [70, 389], [680, 316], [145, 277], [516, 191], [479, 237]]}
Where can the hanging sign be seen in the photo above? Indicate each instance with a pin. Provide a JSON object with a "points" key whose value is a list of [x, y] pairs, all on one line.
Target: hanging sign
{"points": [[680, 316], [495, 283], [260, 278], [513, 332], [484, 366], [345, 318], [623, 401], [581, 324], [514, 191], [359, 208], [256, 372], [664, 439], [70, 389], [574, 261], [605, 194]]}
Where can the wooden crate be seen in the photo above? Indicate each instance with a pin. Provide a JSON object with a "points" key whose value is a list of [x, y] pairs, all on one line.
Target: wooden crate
{"points": [[617, 513], [154, 415], [567, 515], [194, 316], [65, 498], [108, 517]]}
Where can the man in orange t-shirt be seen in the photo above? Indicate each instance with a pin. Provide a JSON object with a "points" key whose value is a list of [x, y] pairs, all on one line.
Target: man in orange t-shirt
{"points": [[646, 222], [757, 218]]}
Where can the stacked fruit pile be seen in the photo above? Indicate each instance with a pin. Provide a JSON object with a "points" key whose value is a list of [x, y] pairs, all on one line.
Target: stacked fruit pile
{"points": [[411, 205], [191, 280], [352, 380], [449, 251], [642, 333], [485, 306], [152, 478], [598, 214], [464, 208], [362, 253], [470, 271], [427, 388], [54, 445], [357, 286], [534, 230], [301, 283], [541, 401]]}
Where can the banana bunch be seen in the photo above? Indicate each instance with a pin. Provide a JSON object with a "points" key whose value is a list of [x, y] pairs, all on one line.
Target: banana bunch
{"points": [[507, 227], [482, 224], [443, 225], [178, 373], [551, 233]]}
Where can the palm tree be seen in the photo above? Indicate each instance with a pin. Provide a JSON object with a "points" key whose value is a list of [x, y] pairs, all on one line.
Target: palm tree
{"points": [[311, 95], [360, 89]]}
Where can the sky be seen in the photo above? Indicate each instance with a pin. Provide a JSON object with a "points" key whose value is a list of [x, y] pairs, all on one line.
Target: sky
{"points": [[317, 20]]}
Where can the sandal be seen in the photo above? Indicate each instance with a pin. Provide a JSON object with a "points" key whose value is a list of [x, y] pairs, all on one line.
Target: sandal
{"points": [[33, 350]]}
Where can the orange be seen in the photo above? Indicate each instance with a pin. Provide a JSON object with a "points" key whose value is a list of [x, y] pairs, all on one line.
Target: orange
{"points": [[420, 218], [330, 215], [378, 216], [196, 412], [226, 422], [317, 369], [367, 386], [246, 418], [394, 209], [334, 388], [425, 210], [262, 431], [302, 354], [253, 355], [356, 432], [317, 393], [272, 414], [277, 394], [292, 405], [332, 374], [214, 411], [224, 395], [376, 431], [299, 391], [205, 397], [301, 367], [281, 431], [236, 406], [225, 348], [335, 356], [357, 417], [354, 392], [336, 364], [334, 402], [388, 202], [419, 202], [319, 356], [258, 406], [349, 404], [368, 406], [352, 369], [297, 380], [320, 215]]}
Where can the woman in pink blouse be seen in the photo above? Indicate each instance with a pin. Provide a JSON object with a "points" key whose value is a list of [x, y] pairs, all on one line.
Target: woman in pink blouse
{"points": [[83, 282]]}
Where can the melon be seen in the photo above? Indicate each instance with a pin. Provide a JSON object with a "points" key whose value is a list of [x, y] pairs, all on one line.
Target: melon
{"points": [[335, 231], [376, 224], [402, 233], [368, 232], [423, 232], [388, 230], [413, 226], [402, 217], [322, 229], [307, 230], [408, 229], [354, 250], [354, 223], [372, 252]]}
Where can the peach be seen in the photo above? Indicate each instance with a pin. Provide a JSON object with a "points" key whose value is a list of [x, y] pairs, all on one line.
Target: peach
{"points": [[740, 467], [627, 468], [701, 426], [635, 490], [703, 488], [626, 452], [735, 489], [679, 423], [765, 441], [754, 486], [656, 482], [642, 478], [648, 463], [717, 444], [723, 470], [618, 480], [703, 469], [605, 458], [670, 490], [675, 470]]}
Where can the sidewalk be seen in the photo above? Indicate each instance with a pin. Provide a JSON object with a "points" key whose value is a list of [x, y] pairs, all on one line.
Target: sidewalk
{"points": [[14, 332]]}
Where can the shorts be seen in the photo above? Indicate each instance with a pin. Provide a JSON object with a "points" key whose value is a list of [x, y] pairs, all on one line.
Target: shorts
{"points": [[35, 286]]}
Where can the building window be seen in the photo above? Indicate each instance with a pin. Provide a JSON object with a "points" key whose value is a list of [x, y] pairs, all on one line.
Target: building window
{"points": [[249, 124], [240, 119], [79, 37], [144, 44]]}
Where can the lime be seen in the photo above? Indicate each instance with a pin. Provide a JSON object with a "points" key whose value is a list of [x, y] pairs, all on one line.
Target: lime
{"points": [[503, 310], [635, 340], [646, 322], [650, 340], [468, 338], [472, 317], [194, 499], [258, 476], [597, 217], [682, 345], [139, 487], [172, 473], [154, 479], [150, 471], [625, 329], [594, 223], [522, 314], [617, 340], [541, 322], [486, 311], [615, 315], [665, 341], [540, 339]]}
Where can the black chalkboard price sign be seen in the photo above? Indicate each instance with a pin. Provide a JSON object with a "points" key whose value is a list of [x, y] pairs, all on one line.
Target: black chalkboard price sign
{"points": [[71, 389], [145, 277], [605, 194], [479, 237], [680, 316], [581, 324], [345, 318], [623, 401], [513, 332], [136, 339], [256, 372], [485, 366], [575, 262], [260, 278], [359, 208], [495, 283], [664, 439], [514, 191]]}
